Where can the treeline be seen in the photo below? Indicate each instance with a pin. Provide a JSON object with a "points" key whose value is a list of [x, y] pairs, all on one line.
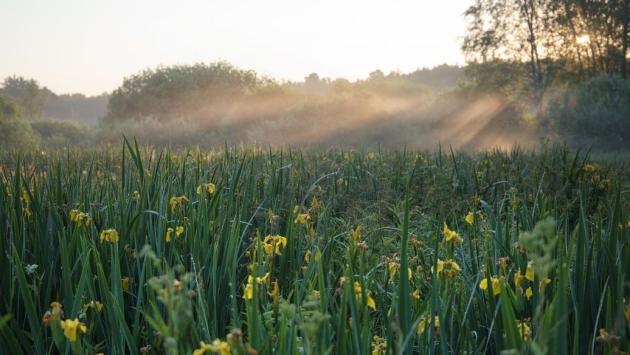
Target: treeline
{"points": [[211, 104], [564, 63], [217, 103], [558, 40], [39, 102], [33, 116]]}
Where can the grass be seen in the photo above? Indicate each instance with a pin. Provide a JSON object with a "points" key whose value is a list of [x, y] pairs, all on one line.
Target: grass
{"points": [[317, 252]]}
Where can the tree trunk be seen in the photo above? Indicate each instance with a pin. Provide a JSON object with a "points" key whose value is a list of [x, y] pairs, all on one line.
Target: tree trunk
{"points": [[624, 52]]}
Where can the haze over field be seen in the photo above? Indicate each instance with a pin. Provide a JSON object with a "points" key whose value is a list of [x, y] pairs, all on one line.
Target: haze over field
{"points": [[469, 74]]}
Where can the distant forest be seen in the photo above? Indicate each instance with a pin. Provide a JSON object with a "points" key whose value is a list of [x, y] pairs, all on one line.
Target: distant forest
{"points": [[37, 101]]}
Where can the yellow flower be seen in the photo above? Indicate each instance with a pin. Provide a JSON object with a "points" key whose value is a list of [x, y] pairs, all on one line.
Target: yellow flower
{"points": [[217, 347], [590, 168], [307, 257], [264, 279], [545, 281], [135, 195], [273, 244], [248, 292], [275, 291], [55, 313], [72, 328], [379, 345], [416, 294], [209, 188], [425, 321], [179, 231], [177, 201], [470, 218], [315, 205], [315, 293], [451, 236], [95, 305], [626, 312], [518, 280], [56, 308], [529, 274], [125, 283], [109, 235], [25, 197], [169, 234], [302, 218], [80, 218], [524, 330], [356, 235], [529, 293], [392, 268], [448, 268], [496, 285], [369, 300]]}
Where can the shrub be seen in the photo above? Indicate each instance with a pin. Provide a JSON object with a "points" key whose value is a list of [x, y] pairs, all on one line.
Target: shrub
{"points": [[55, 133], [596, 111], [15, 133]]}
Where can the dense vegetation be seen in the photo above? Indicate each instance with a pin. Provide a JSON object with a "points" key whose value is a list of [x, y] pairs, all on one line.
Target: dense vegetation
{"points": [[337, 251]]}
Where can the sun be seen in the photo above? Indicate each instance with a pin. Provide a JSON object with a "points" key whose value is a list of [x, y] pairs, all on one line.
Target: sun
{"points": [[583, 39]]}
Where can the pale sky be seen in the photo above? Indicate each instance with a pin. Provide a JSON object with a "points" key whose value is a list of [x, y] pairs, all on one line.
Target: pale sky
{"points": [[90, 46]]}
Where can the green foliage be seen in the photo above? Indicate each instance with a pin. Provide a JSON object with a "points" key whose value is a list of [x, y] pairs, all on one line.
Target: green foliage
{"points": [[56, 134], [87, 110], [177, 92], [329, 251], [15, 132], [595, 112], [8, 109], [27, 94]]}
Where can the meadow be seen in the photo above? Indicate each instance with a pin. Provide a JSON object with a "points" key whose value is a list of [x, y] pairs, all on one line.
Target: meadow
{"points": [[136, 250]]}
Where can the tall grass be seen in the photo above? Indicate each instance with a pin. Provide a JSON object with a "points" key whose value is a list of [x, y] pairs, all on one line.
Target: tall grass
{"points": [[337, 251]]}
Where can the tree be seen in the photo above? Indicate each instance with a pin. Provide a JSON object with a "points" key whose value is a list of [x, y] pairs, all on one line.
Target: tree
{"points": [[15, 133], [566, 39], [27, 94], [179, 92], [8, 109]]}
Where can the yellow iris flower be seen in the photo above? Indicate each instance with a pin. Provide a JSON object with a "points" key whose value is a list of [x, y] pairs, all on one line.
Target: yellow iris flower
{"points": [[217, 346], [496, 285], [72, 328], [529, 273], [470, 218], [273, 244], [109, 235], [209, 188], [451, 236], [448, 268], [369, 300], [425, 321]]}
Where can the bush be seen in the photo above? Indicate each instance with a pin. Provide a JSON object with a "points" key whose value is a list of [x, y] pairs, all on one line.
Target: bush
{"points": [[15, 133], [596, 112], [55, 133]]}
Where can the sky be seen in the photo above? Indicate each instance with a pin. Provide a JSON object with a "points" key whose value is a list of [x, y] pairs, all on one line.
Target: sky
{"points": [[90, 46]]}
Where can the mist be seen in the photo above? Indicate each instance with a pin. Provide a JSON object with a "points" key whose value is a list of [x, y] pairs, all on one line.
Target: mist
{"points": [[419, 110]]}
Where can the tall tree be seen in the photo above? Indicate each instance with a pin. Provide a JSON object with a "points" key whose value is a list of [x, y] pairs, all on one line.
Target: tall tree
{"points": [[26, 93]]}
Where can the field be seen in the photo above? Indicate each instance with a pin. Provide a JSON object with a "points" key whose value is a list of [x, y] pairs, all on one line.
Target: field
{"points": [[136, 250]]}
